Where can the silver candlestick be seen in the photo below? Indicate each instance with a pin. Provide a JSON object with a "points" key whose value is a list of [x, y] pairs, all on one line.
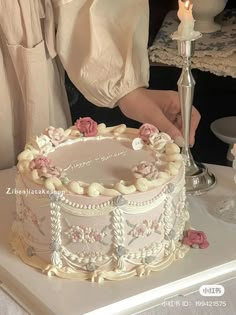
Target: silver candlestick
{"points": [[198, 178]]}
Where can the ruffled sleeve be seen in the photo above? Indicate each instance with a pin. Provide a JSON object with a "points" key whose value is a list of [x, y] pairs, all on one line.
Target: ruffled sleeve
{"points": [[103, 46]]}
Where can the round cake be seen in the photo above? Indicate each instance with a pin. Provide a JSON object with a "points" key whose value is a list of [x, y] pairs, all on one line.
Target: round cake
{"points": [[97, 202]]}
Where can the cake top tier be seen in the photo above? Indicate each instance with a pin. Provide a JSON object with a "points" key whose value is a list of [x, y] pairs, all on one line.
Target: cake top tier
{"points": [[92, 159]]}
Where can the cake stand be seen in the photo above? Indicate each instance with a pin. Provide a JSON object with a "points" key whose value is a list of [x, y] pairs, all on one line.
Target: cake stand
{"points": [[225, 130]]}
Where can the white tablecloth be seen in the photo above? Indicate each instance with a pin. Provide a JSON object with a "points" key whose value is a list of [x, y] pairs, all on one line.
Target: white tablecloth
{"points": [[8, 306], [191, 304]]}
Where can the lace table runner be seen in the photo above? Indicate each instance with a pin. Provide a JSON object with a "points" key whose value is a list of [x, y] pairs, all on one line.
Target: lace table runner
{"points": [[215, 52]]}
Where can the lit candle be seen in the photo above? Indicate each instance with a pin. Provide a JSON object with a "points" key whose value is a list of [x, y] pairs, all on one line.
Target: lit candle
{"points": [[186, 26]]}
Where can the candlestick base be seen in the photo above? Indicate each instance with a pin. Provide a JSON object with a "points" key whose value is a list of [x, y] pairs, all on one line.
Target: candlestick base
{"points": [[201, 181]]}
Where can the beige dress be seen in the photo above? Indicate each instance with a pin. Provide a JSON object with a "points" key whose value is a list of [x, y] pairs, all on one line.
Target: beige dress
{"points": [[102, 44]]}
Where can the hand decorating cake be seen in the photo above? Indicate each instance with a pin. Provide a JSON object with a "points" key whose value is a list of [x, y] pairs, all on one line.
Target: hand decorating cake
{"points": [[99, 202]]}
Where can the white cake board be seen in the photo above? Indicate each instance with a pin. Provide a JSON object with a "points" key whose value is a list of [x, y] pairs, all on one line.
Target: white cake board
{"points": [[39, 294]]}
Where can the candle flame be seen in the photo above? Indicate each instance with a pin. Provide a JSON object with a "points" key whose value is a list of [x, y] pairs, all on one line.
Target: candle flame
{"points": [[187, 4]]}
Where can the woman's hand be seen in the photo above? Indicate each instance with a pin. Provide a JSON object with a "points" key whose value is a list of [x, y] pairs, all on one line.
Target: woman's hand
{"points": [[160, 108]]}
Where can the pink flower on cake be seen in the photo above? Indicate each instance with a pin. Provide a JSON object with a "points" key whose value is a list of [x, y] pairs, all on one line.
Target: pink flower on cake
{"points": [[87, 126], [56, 135], [140, 230], [46, 172], [39, 162], [143, 229], [195, 238], [45, 167], [86, 235], [146, 131], [146, 169]]}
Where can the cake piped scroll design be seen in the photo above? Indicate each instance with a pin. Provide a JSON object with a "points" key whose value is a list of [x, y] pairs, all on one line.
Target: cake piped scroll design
{"points": [[118, 230], [55, 245], [85, 234], [126, 262], [145, 228]]}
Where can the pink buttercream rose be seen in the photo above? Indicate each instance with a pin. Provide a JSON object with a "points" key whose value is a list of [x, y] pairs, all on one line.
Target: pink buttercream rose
{"points": [[194, 237], [146, 131], [56, 135], [87, 126], [39, 162], [146, 170], [45, 167]]}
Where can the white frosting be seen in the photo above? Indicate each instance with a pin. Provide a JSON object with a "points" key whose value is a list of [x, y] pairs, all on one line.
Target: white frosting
{"points": [[101, 164], [105, 223]]}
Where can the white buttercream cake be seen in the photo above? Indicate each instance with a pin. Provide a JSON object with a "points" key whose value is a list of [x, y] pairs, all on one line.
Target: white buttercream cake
{"points": [[97, 202]]}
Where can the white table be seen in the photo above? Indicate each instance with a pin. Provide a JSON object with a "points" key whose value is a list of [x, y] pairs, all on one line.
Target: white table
{"points": [[52, 296]]}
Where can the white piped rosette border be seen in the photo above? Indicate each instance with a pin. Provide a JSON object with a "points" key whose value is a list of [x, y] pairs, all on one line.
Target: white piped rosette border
{"points": [[34, 163]]}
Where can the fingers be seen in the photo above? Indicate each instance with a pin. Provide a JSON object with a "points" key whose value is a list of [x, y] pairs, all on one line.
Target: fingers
{"points": [[165, 125], [170, 120], [141, 107], [171, 111], [168, 101], [170, 105], [195, 118]]}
